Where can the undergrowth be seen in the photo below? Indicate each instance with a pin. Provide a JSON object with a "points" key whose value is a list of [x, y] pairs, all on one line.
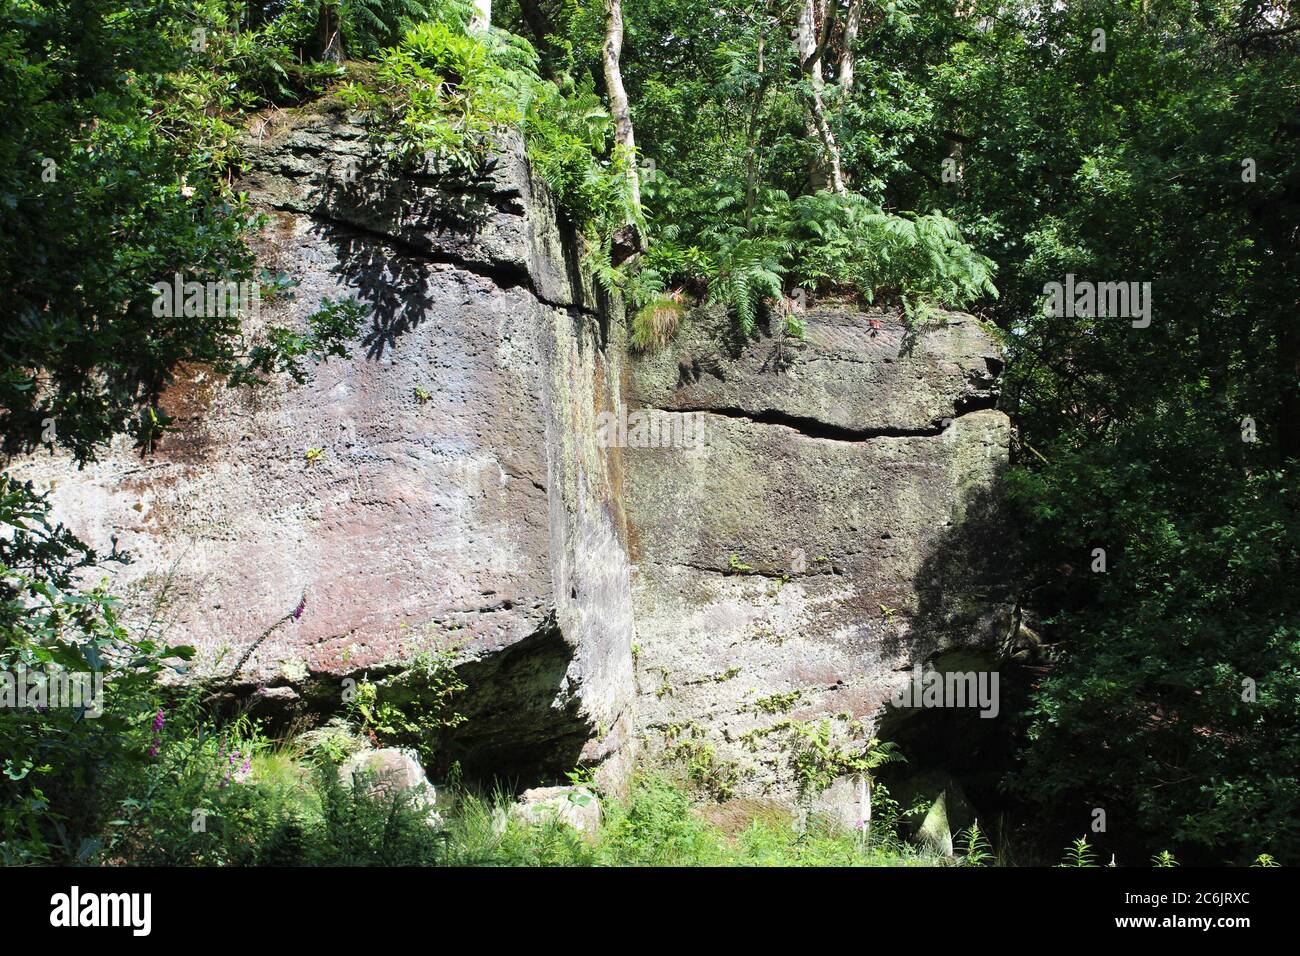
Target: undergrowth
{"points": [[211, 793]]}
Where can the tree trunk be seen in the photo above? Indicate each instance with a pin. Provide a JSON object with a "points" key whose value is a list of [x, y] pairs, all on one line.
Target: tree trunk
{"points": [[751, 138], [481, 18], [618, 106], [825, 172], [539, 22], [852, 21], [329, 35]]}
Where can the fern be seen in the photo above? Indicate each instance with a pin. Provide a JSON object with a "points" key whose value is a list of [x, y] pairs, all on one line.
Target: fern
{"points": [[445, 92], [743, 275], [610, 279], [568, 130], [922, 260], [818, 757], [370, 26]]}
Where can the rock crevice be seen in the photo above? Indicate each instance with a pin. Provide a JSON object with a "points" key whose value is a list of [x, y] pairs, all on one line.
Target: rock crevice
{"points": [[818, 429]]}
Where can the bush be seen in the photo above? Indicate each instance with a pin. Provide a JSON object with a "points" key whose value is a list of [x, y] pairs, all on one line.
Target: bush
{"points": [[58, 758], [444, 92]]}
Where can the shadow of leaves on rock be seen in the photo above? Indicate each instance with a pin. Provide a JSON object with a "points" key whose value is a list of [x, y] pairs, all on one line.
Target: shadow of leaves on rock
{"points": [[384, 224]]}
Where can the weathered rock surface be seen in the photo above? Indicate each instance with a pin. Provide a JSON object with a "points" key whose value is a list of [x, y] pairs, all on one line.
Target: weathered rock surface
{"points": [[458, 498], [854, 375], [389, 771], [844, 806], [577, 807], [836, 525], [448, 485]]}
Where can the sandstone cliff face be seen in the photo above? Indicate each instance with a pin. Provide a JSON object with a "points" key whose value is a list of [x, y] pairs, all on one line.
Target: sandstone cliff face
{"points": [[458, 497], [835, 525]]}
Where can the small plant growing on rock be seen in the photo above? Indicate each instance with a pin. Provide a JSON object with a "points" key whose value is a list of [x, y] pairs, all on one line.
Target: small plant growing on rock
{"points": [[413, 707], [818, 758], [658, 314], [777, 703], [719, 678], [582, 780], [716, 777], [737, 566]]}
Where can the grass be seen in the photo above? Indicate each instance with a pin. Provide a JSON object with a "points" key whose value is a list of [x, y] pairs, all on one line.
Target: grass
{"points": [[655, 825], [218, 795], [291, 810]]}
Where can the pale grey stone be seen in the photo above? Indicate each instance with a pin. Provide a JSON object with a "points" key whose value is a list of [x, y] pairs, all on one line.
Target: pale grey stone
{"points": [[577, 807]]}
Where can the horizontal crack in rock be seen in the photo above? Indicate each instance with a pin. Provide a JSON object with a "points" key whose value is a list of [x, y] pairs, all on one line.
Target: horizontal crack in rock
{"points": [[786, 577], [815, 428]]}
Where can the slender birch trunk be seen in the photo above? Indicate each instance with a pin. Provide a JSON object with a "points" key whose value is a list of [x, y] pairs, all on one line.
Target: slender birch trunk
{"points": [[852, 21], [618, 105], [826, 173]]}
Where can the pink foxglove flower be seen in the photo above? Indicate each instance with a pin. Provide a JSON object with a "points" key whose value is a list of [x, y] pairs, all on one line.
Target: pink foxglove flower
{"points": [[159, 722]]}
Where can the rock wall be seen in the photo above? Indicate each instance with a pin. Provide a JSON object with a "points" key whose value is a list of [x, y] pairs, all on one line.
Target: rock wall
{"points": [[454, 483], [458, 498], [834, 523]]}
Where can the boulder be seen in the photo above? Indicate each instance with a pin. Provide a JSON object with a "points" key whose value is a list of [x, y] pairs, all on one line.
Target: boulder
{"points": [[948, 812], [389, 771], [841, 805], [335, 740], [577, 807]]}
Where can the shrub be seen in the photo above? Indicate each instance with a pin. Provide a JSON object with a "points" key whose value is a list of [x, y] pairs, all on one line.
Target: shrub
{"points": [[58, 759]]}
